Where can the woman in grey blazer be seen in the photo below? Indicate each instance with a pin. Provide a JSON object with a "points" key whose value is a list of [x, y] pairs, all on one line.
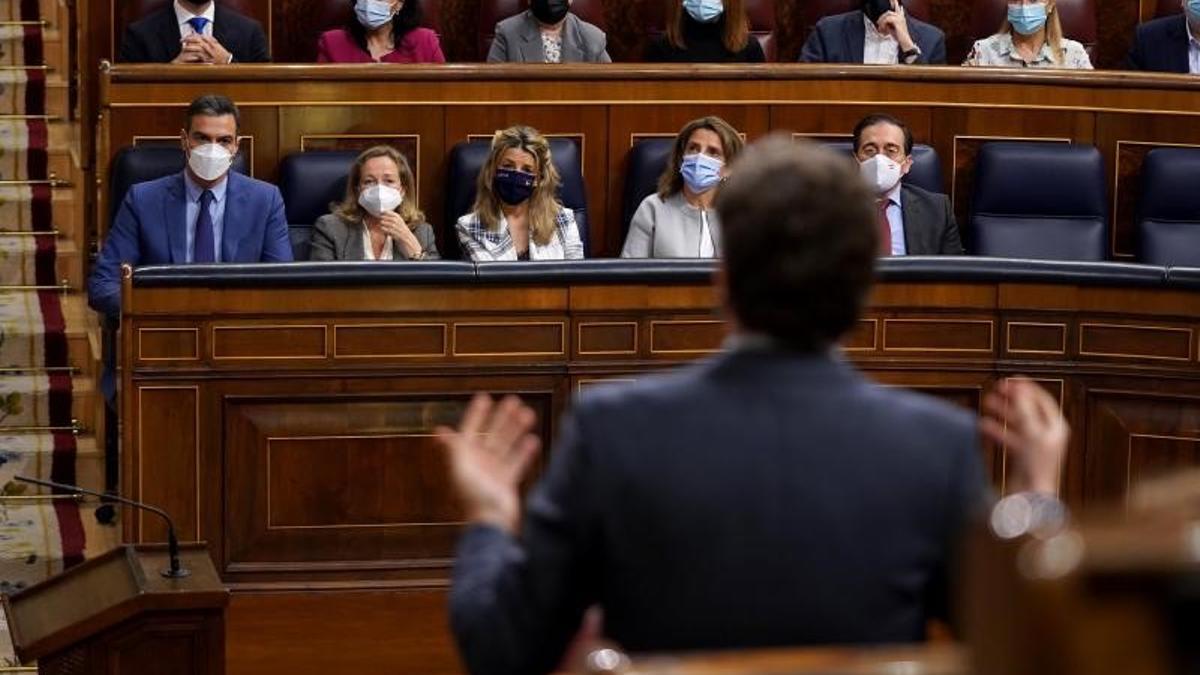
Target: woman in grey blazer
{"points": [[548, 33], [679, 220], [379, 218]]}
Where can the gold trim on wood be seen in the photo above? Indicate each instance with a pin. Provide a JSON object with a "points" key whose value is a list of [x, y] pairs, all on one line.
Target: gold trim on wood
{"points": [[988, 322], [340, 526], [579, 337], [195, 345], [1112, 235], [337, 327], [562, 332], [213, 343], [1008, 337], [681, 322], [874, 337], [1166, 329], [141, 455], [1129, 454]]}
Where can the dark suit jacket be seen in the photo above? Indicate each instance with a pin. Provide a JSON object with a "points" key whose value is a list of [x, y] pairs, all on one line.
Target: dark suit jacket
{"points": [[839, 39], [758, 498], [929, 227], [155, 38], [151, 228], [1160, 45]]}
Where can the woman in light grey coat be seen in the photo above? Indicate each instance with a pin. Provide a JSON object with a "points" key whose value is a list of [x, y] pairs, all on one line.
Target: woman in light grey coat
{"points": [[548, 33], [679, 220], [379, 218]]}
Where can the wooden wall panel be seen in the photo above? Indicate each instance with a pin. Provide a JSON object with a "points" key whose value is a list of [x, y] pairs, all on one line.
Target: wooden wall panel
{"points": [[167, 419], [1135, 434]]}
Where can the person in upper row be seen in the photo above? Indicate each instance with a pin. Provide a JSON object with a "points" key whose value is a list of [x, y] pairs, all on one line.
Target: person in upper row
{"points": [[187, 31], [1170, 44], [381, 31], [679, 221], [548, 32], [706, 31], [517, 215], [379, 218], [912, 221], [880, 33], [1030, 37]]}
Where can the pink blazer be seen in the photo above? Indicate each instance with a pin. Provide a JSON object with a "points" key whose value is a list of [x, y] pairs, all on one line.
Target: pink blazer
{"points": [[420, 45]]}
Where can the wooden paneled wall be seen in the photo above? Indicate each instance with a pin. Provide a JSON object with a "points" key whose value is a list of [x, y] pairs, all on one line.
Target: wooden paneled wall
{"points": [[605, 109], [290, 427], [287, 22]]}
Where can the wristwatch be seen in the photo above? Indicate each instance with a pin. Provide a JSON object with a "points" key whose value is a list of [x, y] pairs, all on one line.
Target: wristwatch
{"points": [[910, 56]]}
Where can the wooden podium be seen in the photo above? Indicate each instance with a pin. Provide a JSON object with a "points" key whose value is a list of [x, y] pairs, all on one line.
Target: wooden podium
{"points": [[118, 614]]}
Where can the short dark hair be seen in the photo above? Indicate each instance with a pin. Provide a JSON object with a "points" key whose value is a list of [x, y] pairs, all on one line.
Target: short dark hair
{"points": [[799, 228], [882, 118], [212, 105], [406, 20]]}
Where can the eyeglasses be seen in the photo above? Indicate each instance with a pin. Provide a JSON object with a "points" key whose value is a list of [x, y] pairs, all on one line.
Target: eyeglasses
{"points": [[892, 152]]}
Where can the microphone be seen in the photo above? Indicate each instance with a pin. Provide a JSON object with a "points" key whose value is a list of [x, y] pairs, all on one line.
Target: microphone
{"points": [[176, 569]]}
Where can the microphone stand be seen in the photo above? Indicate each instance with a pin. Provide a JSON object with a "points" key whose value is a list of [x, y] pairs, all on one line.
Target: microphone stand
{"points": [[176, 569]]}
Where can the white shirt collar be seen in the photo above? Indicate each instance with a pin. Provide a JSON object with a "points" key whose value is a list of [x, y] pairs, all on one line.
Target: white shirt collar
{"points": [[182, 15], [893, 195], [368, 249]]}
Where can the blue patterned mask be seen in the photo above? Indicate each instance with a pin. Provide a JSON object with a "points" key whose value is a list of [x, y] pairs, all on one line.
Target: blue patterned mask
{"points": [[1027, 19], [513, 187], [373, 13], [701, 173], [704, 11]]}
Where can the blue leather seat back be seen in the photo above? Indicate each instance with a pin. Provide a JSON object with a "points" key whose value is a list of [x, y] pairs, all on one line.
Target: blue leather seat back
{"points": [[310, 182], [644, 164], [133, 165], [463, 166], [926, 171], [1169, 210], [1039, 200]]}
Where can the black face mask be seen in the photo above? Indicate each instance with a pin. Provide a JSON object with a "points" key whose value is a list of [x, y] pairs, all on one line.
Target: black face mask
{"points": [[549, 12], [876, 8]]}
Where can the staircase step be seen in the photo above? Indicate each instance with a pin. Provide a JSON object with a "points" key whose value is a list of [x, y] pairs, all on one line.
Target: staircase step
{"points": [[57, 456], [32, 540], [23, 324]]}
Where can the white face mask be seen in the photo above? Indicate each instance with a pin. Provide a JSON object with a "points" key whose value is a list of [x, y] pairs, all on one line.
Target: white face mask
{"points": [[379, 199], [209, 161], [881, 172]]}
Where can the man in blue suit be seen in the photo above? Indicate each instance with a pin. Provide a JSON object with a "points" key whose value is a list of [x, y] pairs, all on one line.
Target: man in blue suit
{"points": [[1170, 44], [204, 214], [770, 495], [881, 33]]}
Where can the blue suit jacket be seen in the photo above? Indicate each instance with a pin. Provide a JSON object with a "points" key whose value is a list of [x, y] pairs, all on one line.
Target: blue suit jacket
{"points": [[1160, 45], [839, 39], [759, 498], [151, 228]]}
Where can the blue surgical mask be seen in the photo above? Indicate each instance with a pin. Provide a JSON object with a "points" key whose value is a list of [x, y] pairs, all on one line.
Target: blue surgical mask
{"points": [[1193, 9], [704, 11], [700, 172], [1027, 19], [373, 13], [513, 187]]}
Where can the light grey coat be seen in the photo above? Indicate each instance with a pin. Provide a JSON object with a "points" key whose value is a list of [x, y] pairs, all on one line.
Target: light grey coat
{"points": [[669, 228], [335, 238], [519, 40]]}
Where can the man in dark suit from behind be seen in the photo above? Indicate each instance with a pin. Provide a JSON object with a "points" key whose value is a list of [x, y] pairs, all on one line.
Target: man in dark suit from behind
{"points": [[881, 33], [911, 221], [1170, 44], [770, 495], [186, 31]]}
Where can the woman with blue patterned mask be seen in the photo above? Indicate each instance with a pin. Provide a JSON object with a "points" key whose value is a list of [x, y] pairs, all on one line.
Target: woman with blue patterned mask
{"points": [[679, 221], [1031, 36], [706, 31]]}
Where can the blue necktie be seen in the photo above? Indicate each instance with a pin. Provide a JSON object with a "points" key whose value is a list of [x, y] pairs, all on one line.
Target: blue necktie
{"points": [[198, 23], [203, 246]]}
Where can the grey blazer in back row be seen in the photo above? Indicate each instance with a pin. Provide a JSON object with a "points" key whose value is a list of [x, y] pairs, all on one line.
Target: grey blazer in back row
{"points": [[519, 40], [335, 238]]}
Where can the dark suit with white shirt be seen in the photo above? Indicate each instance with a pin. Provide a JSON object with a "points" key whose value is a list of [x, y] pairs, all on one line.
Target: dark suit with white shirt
{"points": [[840, 39], [156, 38], [1161, 45], [929, 227]]}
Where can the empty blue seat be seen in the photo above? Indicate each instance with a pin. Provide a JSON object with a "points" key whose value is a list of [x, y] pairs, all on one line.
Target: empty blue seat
{"points": [[1168, 220], [1039, 200], [463, 166], [310, 182]]}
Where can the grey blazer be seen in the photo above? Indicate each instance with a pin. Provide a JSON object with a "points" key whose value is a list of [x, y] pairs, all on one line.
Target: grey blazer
{"points": [[929, 227], [519, 40], [334, 238], [669, 228]]}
